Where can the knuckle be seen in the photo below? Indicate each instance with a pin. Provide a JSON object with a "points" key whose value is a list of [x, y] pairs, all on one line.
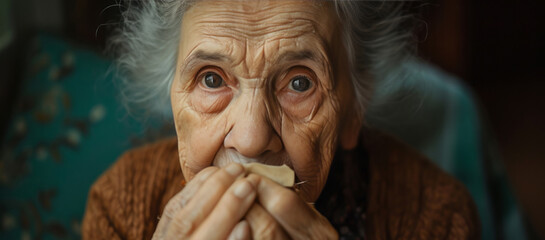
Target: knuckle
{"points": [[168, 213], [203, 174], [201, 177], [282, 202], [221, 179], [218, 180], [173, 206], [180, 227], [253, 178], [269, 229]]}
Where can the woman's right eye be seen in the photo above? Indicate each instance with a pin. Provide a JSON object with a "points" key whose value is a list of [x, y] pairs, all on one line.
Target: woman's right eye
{"points": [[212, 92], [212, 80]]}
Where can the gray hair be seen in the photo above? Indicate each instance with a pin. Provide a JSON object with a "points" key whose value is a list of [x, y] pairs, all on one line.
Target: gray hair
{"points": [[377, 34]]}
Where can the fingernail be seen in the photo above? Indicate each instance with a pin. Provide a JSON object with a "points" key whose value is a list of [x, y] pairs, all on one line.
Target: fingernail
{"points": [[234, 169], [241, 231], [242, 189], [253, 179]]}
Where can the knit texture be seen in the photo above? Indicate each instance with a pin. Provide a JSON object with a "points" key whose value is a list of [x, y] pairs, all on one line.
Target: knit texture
{"points": [[408, 197], [411, 198]]}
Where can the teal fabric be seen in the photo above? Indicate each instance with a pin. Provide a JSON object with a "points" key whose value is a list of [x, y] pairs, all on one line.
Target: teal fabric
{"points": [[68, 128], [436, 114]]}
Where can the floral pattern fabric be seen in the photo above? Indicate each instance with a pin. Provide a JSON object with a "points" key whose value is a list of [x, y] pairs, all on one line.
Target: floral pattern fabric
{"points": [[67, 129]]}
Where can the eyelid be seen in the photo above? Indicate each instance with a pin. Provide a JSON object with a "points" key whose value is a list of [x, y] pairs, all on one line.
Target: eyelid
{"points": [[207, 69]]}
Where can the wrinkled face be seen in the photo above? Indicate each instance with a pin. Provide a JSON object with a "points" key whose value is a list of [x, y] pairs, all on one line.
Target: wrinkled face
{"points": [[261, 81]]}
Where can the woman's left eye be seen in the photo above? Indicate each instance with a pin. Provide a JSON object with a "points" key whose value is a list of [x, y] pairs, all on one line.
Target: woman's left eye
{"points": [[300, 84], [212, 80]]}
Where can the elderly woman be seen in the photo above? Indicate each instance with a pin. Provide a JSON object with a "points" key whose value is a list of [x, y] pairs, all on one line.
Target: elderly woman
{"points": [[272, 82]]}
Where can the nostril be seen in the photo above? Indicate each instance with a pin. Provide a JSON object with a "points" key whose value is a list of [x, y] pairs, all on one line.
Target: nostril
{"points": [[252, 141]]}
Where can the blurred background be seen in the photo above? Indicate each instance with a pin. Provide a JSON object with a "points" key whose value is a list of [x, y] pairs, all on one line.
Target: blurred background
{"points": [[495, 47], [52, 52]]}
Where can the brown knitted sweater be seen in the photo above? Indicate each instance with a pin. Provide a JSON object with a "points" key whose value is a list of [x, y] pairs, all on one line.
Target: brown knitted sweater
{"points": [[408, 197]]}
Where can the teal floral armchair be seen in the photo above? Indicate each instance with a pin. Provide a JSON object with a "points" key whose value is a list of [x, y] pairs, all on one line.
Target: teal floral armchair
{"points": [[67, 129]]}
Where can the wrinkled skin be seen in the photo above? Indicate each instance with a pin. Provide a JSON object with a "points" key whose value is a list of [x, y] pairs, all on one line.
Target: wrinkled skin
{"points": [[255, 50]]}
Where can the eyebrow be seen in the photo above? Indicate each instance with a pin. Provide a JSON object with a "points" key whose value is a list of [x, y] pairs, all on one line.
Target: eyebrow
{"points": [[294, 56], [200, 56]]}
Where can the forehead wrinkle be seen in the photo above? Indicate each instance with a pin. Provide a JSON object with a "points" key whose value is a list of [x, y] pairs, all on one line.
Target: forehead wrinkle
{"points": [[241, 28], [260, 32], [269, 6], [261, 23], [255, 61], [259, 13]]}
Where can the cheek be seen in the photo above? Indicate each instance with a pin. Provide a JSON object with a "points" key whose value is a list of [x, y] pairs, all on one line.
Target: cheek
{"points": [[299, 108], [311, 146], [199, 135], [210, 103]]}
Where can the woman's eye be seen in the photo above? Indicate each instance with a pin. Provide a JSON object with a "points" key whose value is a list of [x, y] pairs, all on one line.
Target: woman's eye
{"points": [[212, 80], [300, 84]]}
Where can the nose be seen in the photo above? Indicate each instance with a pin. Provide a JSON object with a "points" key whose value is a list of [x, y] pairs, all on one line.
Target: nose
{"points": [[252, 133]]}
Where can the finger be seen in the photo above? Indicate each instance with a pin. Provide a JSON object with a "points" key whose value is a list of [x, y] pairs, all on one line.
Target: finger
{"points": [[176, 203], [263, 225], [181, 198], [204, 200], [298, 218], [227, 213], [241, 231]]}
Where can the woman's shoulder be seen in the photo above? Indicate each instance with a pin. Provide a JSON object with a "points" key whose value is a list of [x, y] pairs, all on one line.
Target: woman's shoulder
{"points": [[155, 150], [137, 166], [410, 197], [132, 193]]}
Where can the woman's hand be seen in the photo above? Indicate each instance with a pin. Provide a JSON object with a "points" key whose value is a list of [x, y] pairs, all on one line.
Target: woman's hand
{"points": [[210, 206], [219, 204], [280, 213]]}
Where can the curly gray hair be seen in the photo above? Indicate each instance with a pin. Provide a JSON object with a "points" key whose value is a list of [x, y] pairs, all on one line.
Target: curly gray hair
{"points": [[378, 36]]}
